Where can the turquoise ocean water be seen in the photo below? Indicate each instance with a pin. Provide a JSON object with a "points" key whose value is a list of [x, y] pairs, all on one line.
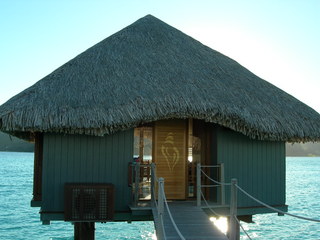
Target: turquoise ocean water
{"points": [[19, 221]]}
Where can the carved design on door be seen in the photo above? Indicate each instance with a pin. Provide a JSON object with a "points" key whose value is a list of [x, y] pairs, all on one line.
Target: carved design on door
{"points": [[170, 151]]}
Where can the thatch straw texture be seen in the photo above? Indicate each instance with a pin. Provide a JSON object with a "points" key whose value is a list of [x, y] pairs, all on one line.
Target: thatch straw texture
{"points": [[150, 71]]}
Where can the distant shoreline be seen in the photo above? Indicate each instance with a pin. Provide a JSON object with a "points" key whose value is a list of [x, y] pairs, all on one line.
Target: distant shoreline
{"points": [[13, 144], [293, 156]]}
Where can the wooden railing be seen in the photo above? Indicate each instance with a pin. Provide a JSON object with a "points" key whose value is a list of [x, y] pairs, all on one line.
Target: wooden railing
{"points": [[217, 183], [139, 176]]}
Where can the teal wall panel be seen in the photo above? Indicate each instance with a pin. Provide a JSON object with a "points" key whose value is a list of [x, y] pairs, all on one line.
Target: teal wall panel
{"points": [[85, 159], [259, 166]]}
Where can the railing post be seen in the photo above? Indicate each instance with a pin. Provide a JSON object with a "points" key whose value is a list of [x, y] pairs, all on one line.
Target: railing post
{"points": [[152, 183], [136, 183], [222, 186], [160, 197], [160, 207], [234, 231], [198, 184]]}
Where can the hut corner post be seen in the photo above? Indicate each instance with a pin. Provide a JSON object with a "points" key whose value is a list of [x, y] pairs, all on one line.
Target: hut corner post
{"points": [[84, 230]]}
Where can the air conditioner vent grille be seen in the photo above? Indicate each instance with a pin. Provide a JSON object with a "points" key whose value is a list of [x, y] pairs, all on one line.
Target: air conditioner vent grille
{"points": [[89, 202]]}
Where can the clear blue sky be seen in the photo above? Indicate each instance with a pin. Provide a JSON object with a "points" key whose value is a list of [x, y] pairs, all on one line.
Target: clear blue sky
{"points": [[277, 40]]}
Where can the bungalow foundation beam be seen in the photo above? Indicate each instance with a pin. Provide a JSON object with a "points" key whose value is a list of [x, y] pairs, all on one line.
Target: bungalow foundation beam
{"points": [[84, 231]]}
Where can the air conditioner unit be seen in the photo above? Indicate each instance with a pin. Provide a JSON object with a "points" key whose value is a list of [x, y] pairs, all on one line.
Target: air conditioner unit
{"points": [[88, 202]]}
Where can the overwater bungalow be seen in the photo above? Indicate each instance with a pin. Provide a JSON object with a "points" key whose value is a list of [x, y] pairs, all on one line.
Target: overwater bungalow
{"points": [[151, 94]]}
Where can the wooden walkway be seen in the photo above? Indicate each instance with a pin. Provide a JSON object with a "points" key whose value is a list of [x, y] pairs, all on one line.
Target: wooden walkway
{"points": [[192, 221]]}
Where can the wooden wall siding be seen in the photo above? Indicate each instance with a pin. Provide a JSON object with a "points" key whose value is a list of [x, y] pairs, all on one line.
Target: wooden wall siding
{"points": [[259, 166], [170, 154], [85, 159]]}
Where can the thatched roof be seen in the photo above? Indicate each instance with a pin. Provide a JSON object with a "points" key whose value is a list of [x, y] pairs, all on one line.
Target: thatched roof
{"points": [[150, 71]]}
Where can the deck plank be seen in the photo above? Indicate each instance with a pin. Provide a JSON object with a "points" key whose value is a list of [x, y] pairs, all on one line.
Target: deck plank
{"points": [[192, 222]]}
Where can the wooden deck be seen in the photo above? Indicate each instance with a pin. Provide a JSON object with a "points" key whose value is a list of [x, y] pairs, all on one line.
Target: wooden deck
{"points": [[192, 221]]}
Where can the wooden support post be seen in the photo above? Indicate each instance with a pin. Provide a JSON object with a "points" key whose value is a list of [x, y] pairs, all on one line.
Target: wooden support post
{"points": [[160, 197], [136, 184], [160, 229], [84, 231], [198, 184], [222, 187], [234, 228], [141, 144], [153, 169], [37, 175]]}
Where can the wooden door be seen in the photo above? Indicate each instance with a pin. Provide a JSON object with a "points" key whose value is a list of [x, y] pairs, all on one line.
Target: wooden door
{"points": [[170, 156]]}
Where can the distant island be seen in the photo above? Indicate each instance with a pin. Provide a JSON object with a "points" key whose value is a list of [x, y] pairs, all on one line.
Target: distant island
{"points": [[303, 149], [13, 144]]}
